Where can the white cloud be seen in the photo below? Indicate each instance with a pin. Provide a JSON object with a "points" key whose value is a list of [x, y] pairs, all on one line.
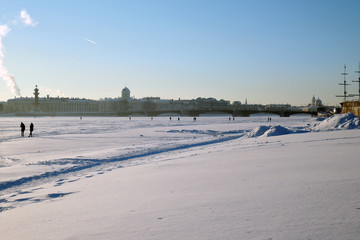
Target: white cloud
{"points": [[26, 19]]}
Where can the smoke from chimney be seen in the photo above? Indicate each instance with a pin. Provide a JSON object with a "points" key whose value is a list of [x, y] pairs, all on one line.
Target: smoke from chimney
{"points": [[4, 73]]}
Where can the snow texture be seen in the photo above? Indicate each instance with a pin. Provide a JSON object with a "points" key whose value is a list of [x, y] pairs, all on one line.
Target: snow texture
{"points": [[115, 178], [336, 122], [341, 121], [269, 131]]}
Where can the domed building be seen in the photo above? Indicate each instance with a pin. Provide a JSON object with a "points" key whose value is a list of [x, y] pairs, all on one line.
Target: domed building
{"points": [[125, 94], [318, 102]]}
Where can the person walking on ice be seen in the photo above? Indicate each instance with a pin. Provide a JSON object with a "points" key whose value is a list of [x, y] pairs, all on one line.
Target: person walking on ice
{"points": [[31, 129], [22, 127]]}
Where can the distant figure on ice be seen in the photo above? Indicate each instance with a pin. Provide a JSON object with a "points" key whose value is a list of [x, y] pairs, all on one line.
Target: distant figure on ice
{"points": [[22, 126], [31, 129]]}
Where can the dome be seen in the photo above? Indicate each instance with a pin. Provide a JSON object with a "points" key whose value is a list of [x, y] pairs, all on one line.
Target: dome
{"points": [[318, 102], [125, 93]]}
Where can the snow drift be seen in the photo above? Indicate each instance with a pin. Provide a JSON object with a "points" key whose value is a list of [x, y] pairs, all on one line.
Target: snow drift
{"points": [[336, 122], [269, 131]]}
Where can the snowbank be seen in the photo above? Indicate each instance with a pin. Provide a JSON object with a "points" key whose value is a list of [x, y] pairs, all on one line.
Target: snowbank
{"points": [[269, 131], [336, 122]]}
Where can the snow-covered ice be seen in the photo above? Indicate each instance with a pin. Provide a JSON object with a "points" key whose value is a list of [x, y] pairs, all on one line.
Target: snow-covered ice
{"points": [[115, 178]]}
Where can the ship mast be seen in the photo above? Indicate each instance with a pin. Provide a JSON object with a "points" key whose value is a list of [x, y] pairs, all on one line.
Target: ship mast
{"points": [[358, 82], [344, 84]]}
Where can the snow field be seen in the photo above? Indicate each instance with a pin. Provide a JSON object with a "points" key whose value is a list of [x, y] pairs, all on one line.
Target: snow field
{"points": [[204, 180]]}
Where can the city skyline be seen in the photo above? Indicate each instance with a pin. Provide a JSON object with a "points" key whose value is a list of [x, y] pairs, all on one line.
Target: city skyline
{"points": [[314, 101], [264, 51]]}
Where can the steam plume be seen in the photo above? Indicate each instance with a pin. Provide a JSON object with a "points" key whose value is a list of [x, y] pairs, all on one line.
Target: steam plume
{"points": [[51, 92], [4, 74]]}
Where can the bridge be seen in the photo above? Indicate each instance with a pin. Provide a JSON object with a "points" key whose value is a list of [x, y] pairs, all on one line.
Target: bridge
{"points": [[245, 112], [232, 112]]}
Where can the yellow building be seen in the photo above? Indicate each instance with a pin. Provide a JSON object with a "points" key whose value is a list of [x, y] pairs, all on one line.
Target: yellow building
{"points": [[351, 106]]}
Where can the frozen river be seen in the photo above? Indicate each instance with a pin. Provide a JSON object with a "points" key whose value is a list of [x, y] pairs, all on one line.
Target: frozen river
{"points": [[67, 145], [213, 178]]}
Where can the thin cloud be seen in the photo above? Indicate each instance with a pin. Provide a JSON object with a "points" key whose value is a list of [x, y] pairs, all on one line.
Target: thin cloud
{"points": [[26, 19], [90, 41]]}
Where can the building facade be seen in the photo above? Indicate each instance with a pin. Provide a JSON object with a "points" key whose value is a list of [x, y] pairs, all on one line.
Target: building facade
{"points": [[124, 105]]}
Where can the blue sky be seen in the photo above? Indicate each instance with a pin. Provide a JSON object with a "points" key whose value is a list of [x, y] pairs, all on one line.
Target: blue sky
{"points": [[265, 51]]}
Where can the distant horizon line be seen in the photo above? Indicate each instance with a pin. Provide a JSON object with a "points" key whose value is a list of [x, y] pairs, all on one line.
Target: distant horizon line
{"points": [[159, 98]]}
